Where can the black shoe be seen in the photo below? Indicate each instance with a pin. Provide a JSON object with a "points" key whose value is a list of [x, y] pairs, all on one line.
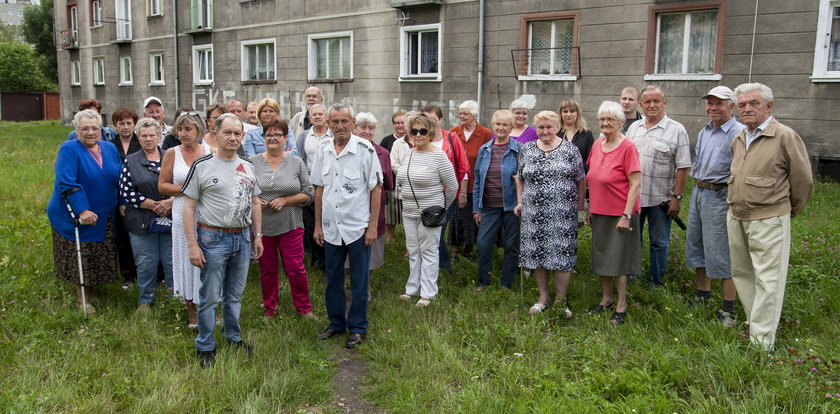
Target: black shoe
{"points": [[126, 285], [598, 308], [618, 318], [206, 359], [328, 333], [354, 340], [247, 348]]}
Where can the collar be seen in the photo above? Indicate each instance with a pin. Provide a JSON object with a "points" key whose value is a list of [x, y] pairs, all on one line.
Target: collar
{"points": [[726, 125], [351, 147], [763, 126], [660, 124]]}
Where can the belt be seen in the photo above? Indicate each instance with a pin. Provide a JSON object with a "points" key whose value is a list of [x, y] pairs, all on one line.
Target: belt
{"points": [[233, 230], [711, 186]]}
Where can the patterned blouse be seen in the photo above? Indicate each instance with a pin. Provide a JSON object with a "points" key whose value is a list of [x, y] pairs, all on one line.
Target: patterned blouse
{"points": [[288, 179]]}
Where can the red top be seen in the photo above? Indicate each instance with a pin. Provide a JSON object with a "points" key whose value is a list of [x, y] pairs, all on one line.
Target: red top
{"points": [[608, 177], [479, 137], [463, 166]]}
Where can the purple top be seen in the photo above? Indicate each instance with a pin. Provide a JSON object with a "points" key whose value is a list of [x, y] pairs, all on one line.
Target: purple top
{"points": [[528, 135]]}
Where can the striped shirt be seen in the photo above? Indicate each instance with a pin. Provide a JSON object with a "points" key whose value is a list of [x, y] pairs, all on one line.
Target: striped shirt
{"points": [[432, 177]]}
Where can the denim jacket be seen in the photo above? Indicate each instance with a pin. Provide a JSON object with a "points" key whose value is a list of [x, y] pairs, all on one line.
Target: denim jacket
{"points": [[509, 166]]}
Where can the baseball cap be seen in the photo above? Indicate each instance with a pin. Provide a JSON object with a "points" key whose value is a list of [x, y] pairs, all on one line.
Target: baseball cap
{"points": [[150, 100], [721, 92]]}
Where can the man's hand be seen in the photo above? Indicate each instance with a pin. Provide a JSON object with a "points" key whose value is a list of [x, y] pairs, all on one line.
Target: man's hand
{"points": [[517, 211], [370, 235], [257, 248], [673, 208], [477, 218], [197, 256], [318, 235]]}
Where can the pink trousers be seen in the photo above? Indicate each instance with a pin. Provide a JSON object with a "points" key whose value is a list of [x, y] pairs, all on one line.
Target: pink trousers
{"points": [[290, 247]]}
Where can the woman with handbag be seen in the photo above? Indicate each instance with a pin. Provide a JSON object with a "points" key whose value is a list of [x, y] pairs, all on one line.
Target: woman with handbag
{"points": [[428, 185], [147, 212]]}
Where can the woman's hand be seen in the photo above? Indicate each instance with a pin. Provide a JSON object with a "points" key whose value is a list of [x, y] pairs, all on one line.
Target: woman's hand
{"points": [[121, 209], [88, 218], [277, 204], [623, 224], [462, 200], [589, 219], [263, 203], [163, 207], [517, 211], [477, 218]]}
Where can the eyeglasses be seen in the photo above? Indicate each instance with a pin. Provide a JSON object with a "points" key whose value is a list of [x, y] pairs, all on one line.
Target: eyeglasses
{"points": [[274, 136], [421, 131]]}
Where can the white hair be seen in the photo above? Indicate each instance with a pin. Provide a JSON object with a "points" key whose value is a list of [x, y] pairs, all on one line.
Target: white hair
{"points": [[86, 114], [338, 107], [469, 105], [526, 101], [766, 92], [366, 118], [611, 108], [316, 106]]}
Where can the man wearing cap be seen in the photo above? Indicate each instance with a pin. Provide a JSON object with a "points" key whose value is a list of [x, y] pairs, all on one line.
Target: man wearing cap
{"points": [[707, 243], [153, 108]]}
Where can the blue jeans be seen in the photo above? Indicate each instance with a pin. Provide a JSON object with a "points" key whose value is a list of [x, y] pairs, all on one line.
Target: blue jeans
{"points": [[359, 257], [150, 249], [445, 261], [227, 257], [493, 222], [659, 236]]}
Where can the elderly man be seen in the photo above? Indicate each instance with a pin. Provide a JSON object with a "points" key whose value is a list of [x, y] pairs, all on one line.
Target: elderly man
{"points": [[235, 107], [664, 156], [629, 101], [348, 180], [222, 187], [308, 142], [770, 183], [301, 122], [153, 108], [251, 117], [707, 244]]}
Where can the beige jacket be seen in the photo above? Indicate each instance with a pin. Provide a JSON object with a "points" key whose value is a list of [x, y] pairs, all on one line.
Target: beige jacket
{"points": [[773, 178]]}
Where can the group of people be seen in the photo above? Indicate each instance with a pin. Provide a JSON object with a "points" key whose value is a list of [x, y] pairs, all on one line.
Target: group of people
{"points": [[192, 204]]}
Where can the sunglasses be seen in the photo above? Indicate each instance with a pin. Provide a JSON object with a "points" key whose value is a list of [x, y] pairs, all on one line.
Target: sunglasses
{"points": [[421, 131]]}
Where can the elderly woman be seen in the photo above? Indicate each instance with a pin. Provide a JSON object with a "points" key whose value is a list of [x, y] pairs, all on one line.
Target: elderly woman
{"points": [[213, 111], [393, 214], [365, 128], [268, 110], [472, 135], [176, 165], [427, 179], [521, 131], [574, 129], [614, 180], [551, 187], [87, 173], [284, 182], [495, 199], [147, 212], [126, 143]]}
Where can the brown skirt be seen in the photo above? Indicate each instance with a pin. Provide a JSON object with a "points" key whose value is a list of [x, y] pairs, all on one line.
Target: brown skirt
{"points": [[615, 253], [99, 259]]}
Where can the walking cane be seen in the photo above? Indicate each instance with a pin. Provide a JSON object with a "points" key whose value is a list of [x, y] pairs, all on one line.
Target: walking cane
{"points": [[76, 223]]}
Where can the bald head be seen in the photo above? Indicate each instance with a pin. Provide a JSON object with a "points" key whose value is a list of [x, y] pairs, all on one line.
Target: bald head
{"points": [[235, 107]]}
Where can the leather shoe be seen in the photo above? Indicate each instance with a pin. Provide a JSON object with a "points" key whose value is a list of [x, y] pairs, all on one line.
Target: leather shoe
{"points": [[206, 359], [247, 348], [328, 333], [354, 339]]}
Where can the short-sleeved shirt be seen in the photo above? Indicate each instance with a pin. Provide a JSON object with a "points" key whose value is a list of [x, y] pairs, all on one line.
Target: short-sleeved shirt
{"points": [[223, 190], [713, 155], [608, 178], [663, 149], [290, 178], [347, 179]]}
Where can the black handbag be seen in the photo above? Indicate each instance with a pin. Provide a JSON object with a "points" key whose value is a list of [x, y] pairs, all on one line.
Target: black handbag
{"points": [[433, 216]]}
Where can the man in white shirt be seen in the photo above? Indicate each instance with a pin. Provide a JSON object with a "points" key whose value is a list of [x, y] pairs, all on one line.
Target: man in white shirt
{"points": [[301, 122]]}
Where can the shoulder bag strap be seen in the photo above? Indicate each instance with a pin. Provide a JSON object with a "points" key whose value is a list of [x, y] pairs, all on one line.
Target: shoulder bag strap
{"points": [[408, 178]]}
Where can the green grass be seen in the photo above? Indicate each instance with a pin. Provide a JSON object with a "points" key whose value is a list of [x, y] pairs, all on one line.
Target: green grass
{"points": [[468, 352]]}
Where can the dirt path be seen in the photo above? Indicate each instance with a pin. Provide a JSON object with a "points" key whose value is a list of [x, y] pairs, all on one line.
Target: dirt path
{"points": [[349, 383]]}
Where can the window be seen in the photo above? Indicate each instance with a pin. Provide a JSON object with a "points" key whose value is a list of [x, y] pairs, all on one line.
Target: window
{"points": [[153, 8], [123, 22], [258, 63], [420, 52], [685, 42], [75, 73], [156, 69], [203, 65], [548, 47], [126, 78], [331, 56], [201, 14], [95, 13], [98, 71], [74, 26], [827, 51]]}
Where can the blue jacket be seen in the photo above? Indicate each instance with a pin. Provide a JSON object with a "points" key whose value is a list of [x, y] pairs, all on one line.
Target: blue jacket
{"points": [[254, 143], [509, 167], [75, 168]]}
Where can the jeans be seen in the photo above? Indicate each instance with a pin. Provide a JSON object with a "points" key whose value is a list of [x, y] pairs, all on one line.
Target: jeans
{"points": [[359, 256], [445, 261], [659, 235], [493, 222], [150, 249], [422, 244], [290, 247], [225, 270], [315, 251]]}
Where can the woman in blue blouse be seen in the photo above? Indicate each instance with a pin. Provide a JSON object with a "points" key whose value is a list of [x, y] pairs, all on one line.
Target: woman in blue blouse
{"points": [[87, 170]]}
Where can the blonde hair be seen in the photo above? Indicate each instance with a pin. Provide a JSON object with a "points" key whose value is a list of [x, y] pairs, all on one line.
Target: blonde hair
{"points": [[503, 114], [572, 105], [547, 116]]}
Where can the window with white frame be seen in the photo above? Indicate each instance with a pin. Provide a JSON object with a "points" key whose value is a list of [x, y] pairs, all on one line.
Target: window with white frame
{"points": [[75, 73], [686, 44], [201, 14], [331, 56], [203, 65], [123, 19], [156, 69], [95, 13], [126, 76], [420, 52], [551, 48], [153, 8], [74, 26], [827, 49], [98, 71], [258, 62]]}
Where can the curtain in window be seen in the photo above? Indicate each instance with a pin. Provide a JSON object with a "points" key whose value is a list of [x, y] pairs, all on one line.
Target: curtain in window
{"points": [[252, 62], [429, 52], [564, 37], [540, 61], [671, 32], [702, 40], [834, 43], [345, 57]]}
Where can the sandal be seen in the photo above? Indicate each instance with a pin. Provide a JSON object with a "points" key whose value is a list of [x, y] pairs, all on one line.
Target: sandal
{"points": [[405, 297], [537, 308], [566, 310], [480, 288], [423, 302], [618, 318], [600, 308]]}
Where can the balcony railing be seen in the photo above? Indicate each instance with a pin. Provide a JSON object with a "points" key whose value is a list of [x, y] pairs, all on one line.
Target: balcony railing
{"points": [[70, 39], [201, 15], [550, 63], [123, 29]]}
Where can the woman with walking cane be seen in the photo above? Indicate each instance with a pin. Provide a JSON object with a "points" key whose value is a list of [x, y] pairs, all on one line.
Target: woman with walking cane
{"points": [[81, 209]]}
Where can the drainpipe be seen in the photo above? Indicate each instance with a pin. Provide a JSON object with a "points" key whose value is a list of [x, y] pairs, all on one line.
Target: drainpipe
{"points": [[752, 48], [177, 66], [480, 57]]}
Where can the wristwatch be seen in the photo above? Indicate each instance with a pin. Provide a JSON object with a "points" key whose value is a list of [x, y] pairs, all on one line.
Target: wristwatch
{"points": [[677, 196], [627, 216], [257, 234]]}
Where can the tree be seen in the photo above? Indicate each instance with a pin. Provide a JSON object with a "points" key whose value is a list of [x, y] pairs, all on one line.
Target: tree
{"points": [[20, 69], [9, 33], [38, 30]]}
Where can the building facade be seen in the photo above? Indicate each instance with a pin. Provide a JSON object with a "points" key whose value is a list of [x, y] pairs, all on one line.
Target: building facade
{"points": [[389, 55]]}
